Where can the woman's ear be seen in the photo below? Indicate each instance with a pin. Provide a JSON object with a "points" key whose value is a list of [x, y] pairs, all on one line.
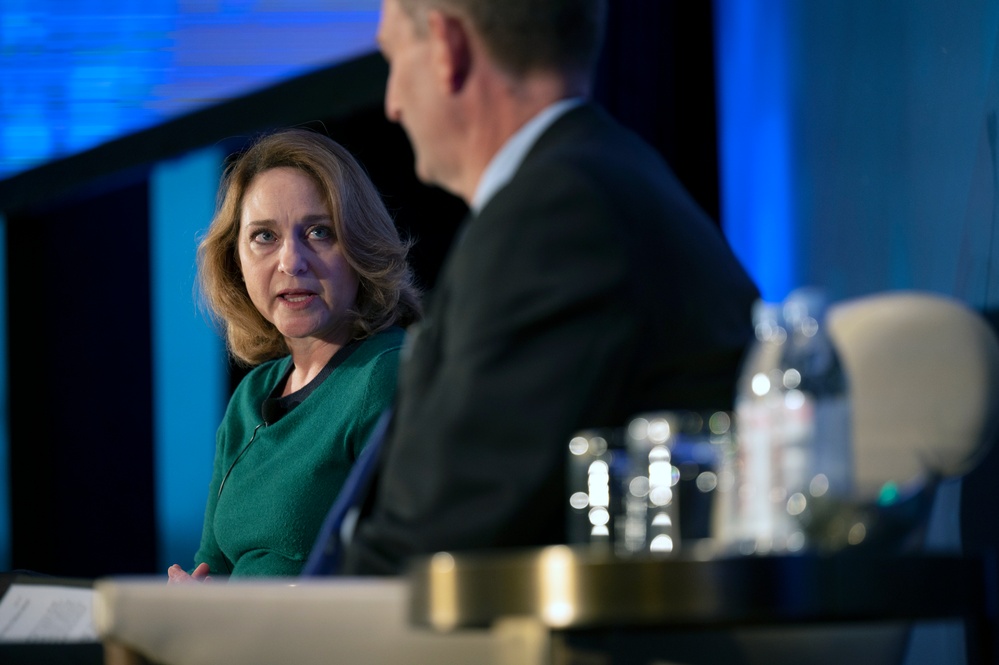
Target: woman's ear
{"points": [[452, 53]]}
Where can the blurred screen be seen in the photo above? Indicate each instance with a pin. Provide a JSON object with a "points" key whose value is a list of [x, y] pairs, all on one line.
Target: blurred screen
{"points": [[78, 73]]}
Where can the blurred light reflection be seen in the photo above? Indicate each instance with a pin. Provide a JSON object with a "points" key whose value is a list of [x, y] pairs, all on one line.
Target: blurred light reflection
{"points": [[557, 588], [661, 543], [443, 591], [77, 74]]}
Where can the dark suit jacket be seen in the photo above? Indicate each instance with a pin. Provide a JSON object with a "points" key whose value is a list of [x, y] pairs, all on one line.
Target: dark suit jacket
{"points": [[589, 289]]}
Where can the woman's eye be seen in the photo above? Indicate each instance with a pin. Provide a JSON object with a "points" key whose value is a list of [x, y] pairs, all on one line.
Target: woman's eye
{"points": [[262, 236], [320, 233]]}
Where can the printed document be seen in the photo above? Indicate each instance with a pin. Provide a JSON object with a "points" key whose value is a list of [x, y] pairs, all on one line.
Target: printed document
{"points": [[47, 613]]}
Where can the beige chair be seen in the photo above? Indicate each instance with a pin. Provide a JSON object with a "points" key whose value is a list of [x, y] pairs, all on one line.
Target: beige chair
{"points": [[924, 373], [924, 380]]}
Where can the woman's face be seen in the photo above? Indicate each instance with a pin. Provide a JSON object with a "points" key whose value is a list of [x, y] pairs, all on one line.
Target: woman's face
{"points": [[292, 263]]}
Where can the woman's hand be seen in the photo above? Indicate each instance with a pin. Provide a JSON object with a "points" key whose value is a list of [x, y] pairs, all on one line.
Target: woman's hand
{"points": [[177, 575]]}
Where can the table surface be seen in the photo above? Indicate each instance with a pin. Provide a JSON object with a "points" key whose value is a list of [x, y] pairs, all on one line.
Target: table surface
{"points": [[573, 588], [262, 621]]}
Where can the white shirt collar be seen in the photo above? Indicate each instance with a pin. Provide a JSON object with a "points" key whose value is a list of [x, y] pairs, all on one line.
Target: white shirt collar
{"points": [[505, 163]]}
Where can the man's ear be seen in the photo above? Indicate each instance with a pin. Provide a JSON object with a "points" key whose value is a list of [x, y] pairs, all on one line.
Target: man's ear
{"points": [[452, 52]]}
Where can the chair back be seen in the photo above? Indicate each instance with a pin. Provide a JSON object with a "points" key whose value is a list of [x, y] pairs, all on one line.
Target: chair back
{"points": [[924, 380]]}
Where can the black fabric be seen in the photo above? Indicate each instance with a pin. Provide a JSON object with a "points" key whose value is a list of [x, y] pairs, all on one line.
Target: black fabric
{"points": [[591, 288], [82, 653], [275, 406]]}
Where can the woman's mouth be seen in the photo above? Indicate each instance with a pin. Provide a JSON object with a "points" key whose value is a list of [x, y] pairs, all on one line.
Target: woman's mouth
{"points": [[296, 297]]}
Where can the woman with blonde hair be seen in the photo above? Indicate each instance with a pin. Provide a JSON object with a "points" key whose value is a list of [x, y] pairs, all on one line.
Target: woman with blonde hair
{"points": [[306, 273]]}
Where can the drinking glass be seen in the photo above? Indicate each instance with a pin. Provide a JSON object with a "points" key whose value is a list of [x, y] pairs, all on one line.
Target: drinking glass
{"points": [[650, 488]]}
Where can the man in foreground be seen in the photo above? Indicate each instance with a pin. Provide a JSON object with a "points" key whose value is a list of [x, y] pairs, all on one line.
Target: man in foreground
{"points": [[585, 287]]}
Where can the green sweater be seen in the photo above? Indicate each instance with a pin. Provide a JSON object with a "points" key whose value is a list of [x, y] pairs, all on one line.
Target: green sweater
{"points": [[277, 495]]}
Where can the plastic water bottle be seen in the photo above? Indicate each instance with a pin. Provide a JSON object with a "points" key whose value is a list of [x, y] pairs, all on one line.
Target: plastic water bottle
{"points": [[792, 464], [745, 519], [816, 461]]}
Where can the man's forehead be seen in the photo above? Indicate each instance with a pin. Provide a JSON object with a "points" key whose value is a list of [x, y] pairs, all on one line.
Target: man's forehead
{"points": [[395, 23], [380, 33], [388, 19]]}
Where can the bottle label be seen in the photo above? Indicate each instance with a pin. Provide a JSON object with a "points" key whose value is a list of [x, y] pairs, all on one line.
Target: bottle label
{"points": [[751, 515]]}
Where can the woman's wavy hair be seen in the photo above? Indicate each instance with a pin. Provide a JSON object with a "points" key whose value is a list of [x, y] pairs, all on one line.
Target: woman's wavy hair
{"points": [[387, 294]]}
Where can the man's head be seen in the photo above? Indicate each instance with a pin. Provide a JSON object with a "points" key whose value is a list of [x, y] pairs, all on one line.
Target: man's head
{"points": [[525, 35], [455, 67]]}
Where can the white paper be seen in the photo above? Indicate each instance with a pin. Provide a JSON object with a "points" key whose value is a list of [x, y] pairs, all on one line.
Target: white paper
{"points": [[47, 613]]}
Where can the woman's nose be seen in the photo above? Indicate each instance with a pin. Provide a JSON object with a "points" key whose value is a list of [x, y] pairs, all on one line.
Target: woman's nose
{"points": [[291, 259]]}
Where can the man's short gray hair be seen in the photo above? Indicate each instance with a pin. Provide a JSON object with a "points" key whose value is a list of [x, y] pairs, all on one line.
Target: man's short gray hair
{"points": [[528, 35]]}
